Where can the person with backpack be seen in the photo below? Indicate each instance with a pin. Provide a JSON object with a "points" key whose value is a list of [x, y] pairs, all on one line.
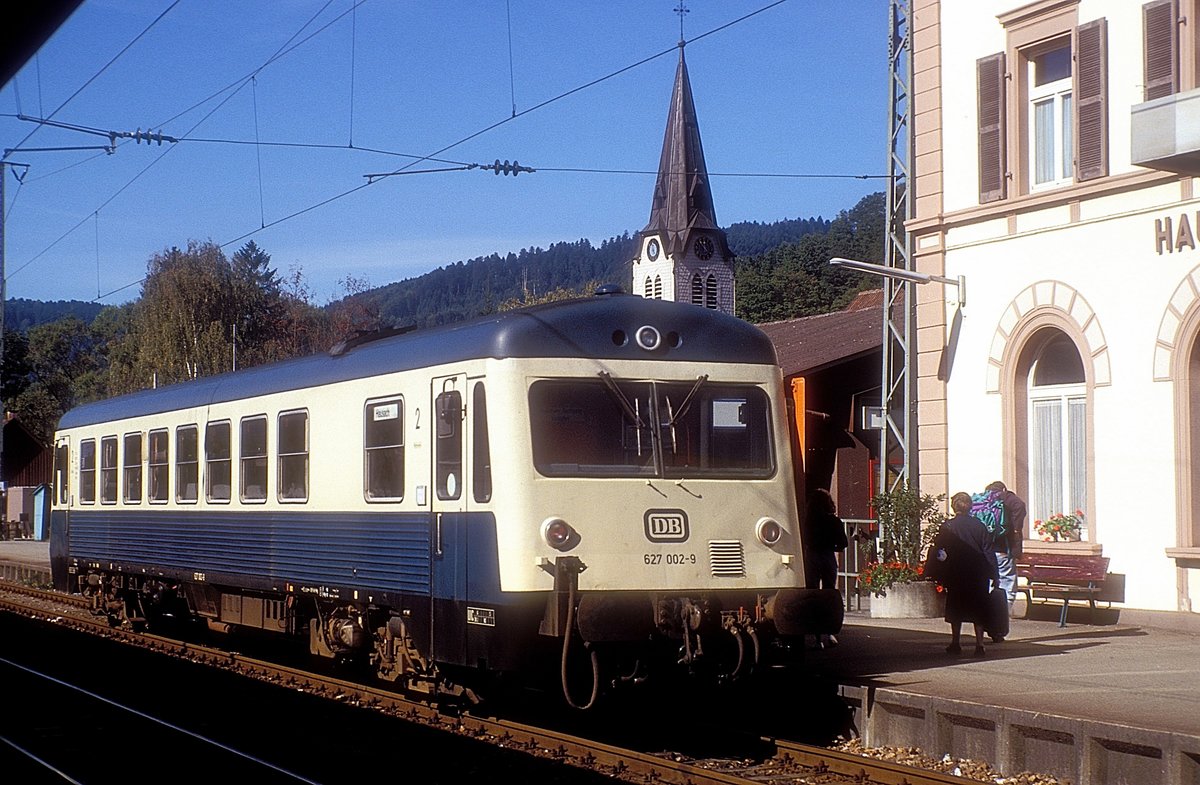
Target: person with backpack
{"points": [[1003, 513]]}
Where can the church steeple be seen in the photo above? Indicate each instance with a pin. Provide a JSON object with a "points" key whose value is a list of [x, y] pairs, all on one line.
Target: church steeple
{"points": [[682, 253], [682, 198]]}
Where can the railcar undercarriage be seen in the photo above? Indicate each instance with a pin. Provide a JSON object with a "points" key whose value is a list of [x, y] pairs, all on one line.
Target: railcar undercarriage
{"points": [[607, 641]]}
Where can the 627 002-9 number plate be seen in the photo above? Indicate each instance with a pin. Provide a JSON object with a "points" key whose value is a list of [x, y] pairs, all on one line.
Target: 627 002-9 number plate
{"points": [[668, 558]]}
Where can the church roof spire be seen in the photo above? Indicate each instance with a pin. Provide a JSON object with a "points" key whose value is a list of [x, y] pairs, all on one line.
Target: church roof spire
{"points": [[682, 198]]}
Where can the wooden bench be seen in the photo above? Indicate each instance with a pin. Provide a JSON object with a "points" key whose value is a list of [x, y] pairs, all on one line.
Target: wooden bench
{"points": [[1054, 576]]}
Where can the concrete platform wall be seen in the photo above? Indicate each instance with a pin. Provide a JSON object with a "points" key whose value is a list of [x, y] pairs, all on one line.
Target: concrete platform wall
{"points": [[1014, 741]]}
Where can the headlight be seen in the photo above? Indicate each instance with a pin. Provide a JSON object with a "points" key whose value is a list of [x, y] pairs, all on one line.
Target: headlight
{"points": [[768, 531], [558, 534], [649, 338]]}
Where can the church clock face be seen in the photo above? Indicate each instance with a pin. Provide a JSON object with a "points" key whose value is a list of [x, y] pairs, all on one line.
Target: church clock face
{"points": [[652, 249], [703, 247]]}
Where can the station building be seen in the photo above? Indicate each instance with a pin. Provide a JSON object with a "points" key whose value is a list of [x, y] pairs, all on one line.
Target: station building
{"points": [[1057, 150]]}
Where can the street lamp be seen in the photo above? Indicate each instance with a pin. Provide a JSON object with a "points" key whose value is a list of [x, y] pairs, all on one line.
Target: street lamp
{"points": [[898, 382], [912, 276]]}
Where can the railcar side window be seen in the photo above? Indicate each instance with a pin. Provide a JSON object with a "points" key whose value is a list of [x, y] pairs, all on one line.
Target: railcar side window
{"points": [[133, 468], [588, 428], [187, 463], [293, 456], [449, 414], [62, 470], [87, 471], [253, 449], [108, 470], [481, 458], [383, 440], [160, 468], [217, 462]]}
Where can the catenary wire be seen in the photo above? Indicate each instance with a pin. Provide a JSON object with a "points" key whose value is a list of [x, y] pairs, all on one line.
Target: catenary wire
{"points": [[95, 76]]}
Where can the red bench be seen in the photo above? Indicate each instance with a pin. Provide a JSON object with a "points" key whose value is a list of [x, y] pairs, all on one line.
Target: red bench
{"points": [[1055, 576]]}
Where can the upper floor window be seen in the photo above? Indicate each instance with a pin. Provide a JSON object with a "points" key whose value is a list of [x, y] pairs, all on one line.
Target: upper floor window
{"points": [[1170, 47], [1051, 149], [1042, 103]]}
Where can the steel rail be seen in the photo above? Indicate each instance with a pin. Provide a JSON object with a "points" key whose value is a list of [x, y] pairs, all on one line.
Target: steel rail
{"points": [[790, 763]]}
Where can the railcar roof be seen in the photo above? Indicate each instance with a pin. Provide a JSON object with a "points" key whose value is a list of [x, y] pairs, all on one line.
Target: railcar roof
{"points": [[589, 327]]}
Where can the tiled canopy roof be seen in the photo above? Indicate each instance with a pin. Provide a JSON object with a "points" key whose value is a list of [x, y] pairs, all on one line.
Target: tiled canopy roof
{"points": [[812, 343]]}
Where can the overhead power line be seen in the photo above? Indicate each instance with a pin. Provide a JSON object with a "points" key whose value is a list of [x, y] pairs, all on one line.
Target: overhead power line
{"points": [[496, 167]]}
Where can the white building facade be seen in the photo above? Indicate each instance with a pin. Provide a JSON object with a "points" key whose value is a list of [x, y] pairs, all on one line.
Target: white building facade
{"points": [[1057, 151]]}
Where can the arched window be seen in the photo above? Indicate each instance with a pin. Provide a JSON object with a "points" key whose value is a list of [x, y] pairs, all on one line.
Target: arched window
{"points": [[1190, 534], [697, 289], [658, 287], [649, 290], [710, 292], [1056, 391]]}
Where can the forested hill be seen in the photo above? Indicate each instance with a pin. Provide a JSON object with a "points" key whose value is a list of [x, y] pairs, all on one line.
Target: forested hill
{"points": [[465, 289], [21, 314]]}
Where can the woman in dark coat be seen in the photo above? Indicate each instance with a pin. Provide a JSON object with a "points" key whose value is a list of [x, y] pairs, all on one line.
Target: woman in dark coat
{"points": [[826, 536], [966, 572]]}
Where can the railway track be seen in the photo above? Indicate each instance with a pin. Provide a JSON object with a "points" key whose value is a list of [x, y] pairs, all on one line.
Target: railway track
{"points": [[781, 761]]}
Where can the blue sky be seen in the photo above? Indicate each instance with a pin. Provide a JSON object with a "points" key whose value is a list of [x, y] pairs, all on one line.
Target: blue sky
{"points": [[798, 89]]}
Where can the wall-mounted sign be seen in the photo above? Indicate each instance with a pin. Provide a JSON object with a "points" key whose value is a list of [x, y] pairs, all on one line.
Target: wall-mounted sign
{"points": [[1175, 235]]}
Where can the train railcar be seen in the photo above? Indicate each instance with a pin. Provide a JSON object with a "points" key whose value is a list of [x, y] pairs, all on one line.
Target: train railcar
{"points": [[605, 481]]}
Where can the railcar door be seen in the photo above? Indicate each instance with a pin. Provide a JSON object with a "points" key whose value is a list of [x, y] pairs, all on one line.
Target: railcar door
{"points": [[449, 507], [60, 499]]}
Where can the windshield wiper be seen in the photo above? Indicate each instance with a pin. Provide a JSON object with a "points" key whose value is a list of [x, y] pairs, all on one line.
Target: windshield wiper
{"points": [[687, 401], [673, 416], [626, 407]]}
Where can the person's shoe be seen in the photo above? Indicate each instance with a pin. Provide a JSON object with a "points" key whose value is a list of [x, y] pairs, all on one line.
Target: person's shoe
{"points": [[980, 652], [829, 641], [954, 649], [996, 639]]}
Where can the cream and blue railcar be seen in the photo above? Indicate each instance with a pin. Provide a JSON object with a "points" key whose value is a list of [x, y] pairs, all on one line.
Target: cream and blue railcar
{"points": [[607, 478]]}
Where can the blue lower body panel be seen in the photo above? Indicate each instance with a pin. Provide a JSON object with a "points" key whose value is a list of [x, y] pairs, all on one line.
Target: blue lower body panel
{"points": [[387, 553]]}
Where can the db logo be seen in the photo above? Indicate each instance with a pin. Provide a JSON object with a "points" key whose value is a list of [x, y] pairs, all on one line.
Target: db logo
{"points": [[666, 525]]}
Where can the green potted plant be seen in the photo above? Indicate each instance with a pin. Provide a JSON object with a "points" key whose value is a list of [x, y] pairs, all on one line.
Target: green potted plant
{"points": [[908, 522]]}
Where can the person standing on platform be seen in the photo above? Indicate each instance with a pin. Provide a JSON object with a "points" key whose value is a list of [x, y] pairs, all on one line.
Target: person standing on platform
{"points": [[826, 536], [966, 567], [1009, 542]]}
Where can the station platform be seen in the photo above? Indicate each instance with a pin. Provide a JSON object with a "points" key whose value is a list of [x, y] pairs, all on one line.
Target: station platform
{"points": [[1115, 698]]}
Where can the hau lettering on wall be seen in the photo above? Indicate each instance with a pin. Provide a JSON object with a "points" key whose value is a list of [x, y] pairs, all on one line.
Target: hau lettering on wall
{"points": [[1171, 236]]}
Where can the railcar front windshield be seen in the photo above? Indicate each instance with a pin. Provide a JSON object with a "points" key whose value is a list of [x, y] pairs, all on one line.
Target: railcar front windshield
{"points": [[605, 427]]}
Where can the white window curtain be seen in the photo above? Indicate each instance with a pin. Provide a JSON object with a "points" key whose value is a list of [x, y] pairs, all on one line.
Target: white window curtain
{"points": [[1058, 420]]}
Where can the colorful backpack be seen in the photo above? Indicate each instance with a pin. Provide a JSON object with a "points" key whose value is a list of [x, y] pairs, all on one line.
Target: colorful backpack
{"points": [[988, 507]]}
